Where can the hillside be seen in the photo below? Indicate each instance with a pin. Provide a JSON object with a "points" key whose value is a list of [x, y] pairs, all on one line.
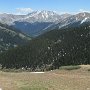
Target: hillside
{"points": [[70, 46], [10, 37]]}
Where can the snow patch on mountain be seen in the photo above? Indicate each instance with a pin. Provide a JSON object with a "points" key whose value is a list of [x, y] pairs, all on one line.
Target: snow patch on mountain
{"points": [[84, 20], [84, 15]]}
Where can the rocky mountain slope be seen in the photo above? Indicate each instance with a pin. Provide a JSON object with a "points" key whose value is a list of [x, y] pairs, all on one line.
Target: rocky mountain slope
{"points": [[73, 21]]}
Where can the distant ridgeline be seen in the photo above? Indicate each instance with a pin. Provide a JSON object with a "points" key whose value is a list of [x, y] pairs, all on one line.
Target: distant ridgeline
{"points": [[69, 46]]}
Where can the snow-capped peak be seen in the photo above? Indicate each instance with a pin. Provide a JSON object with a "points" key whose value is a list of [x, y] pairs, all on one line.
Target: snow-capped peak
{"points": [[41, 16], [43, 13]]}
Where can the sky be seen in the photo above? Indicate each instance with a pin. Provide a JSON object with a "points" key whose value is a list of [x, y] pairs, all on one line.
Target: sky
{"points": [[59, 6]]}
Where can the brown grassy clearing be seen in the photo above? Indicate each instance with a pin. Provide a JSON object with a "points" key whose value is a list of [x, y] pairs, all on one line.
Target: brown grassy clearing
{"points": [[53, 80]]}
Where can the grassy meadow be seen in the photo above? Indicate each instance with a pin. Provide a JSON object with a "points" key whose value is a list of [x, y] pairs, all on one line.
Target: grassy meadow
{"points": [[62, 79]]}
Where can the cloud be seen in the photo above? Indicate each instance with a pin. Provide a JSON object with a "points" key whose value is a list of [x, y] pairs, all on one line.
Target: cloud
{"points": [[76, 12], [1, 13], [23, 10], [82, 10]]}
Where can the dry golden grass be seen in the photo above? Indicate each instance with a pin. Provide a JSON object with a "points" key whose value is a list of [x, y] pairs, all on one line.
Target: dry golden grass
{"points": [[54, 80]]}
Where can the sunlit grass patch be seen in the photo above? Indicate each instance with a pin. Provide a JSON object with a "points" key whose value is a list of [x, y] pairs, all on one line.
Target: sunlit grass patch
{"points": [[69, 67]]}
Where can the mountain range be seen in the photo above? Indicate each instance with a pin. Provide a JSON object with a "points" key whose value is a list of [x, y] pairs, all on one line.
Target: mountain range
{"points": [[33, 23], [38, 22]]}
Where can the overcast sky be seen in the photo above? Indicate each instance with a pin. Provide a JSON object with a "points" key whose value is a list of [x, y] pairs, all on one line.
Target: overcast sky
{"points": [[60, 6]]}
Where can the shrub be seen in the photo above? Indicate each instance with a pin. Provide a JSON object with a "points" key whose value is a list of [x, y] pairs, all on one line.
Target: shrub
{"points": [[88, 69]]}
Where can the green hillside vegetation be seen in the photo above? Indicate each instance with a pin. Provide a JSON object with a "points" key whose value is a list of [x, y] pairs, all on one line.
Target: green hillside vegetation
{"points": [[11, 37], [70, 46]]}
